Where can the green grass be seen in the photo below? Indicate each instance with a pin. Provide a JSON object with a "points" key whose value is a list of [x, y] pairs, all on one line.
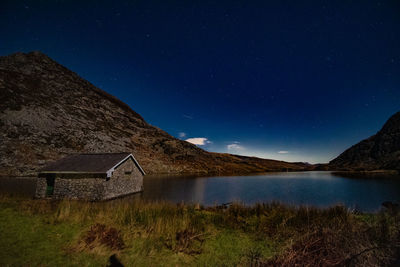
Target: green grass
{"points": [[52, 233], [31, 240]]}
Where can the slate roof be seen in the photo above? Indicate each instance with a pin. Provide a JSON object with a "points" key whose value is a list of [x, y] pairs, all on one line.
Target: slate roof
{"points": [[88, 163]]}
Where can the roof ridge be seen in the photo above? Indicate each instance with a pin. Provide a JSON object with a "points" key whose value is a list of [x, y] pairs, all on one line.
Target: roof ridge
{"points": [[103, 153], [90, 162]]}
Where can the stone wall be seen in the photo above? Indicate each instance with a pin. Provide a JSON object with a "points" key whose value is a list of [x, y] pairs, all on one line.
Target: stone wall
{"points": [[86, 188], [122, 183], [41, 185], [73, 188], [126, 179]]}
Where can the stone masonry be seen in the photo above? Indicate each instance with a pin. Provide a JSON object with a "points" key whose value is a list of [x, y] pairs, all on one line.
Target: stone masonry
{"points": [[126, 179]]}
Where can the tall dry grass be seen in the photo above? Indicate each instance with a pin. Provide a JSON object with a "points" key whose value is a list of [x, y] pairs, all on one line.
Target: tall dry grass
{"points": [[305, 236]]}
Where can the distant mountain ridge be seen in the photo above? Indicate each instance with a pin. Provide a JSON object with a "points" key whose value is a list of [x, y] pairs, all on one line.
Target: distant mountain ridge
{"points": [[380, 151], [48, 111]]}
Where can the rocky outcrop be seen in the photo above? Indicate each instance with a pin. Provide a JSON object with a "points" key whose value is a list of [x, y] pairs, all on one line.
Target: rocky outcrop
{"points": [[48, 111], [380, 151]]}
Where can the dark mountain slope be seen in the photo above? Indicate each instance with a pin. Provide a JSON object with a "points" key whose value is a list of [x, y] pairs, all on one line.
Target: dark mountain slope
{"points": [[380, 151], [48, 111]]}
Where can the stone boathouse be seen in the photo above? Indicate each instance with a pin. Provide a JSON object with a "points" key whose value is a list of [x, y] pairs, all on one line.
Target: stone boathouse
{"points": [[91, 177]]}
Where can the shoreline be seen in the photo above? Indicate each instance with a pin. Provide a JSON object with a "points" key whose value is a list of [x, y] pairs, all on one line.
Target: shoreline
{"points": [[368, 174], [218, 174]]}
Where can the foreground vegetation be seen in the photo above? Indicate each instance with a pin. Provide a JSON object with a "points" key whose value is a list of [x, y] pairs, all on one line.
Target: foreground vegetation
{"points": [[51, 233]]}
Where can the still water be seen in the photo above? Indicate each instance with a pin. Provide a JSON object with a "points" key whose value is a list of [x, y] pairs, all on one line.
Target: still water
{"points": [[320, 189]]}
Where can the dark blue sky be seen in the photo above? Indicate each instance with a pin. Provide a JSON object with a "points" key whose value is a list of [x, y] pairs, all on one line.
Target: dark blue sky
{"points": [[275, 79]]}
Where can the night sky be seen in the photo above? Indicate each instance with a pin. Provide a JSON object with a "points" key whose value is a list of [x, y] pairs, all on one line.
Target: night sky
{"points": [[274, 79]]}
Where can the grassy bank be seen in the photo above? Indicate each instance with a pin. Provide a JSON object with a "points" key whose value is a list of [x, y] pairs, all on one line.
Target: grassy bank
{"points": [[48, 233]]}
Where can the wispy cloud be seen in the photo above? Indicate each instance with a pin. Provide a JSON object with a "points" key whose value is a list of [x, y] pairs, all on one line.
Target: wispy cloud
{"points": [[187, 117], [283, 152], [199, 141], [234, 147], [182, 135]]}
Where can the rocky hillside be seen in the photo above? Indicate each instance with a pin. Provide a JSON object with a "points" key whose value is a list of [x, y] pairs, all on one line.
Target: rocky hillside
{"points": [[380, 151], [48, 111]]}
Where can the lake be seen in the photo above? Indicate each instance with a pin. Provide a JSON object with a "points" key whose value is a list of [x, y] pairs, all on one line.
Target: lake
{"points": [[319, 189]]}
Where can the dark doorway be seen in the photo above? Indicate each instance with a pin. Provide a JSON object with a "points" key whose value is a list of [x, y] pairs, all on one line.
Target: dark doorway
{"points": [[50, 185]]}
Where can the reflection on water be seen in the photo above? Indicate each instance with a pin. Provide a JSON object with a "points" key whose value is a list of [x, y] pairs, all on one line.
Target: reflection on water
{"points": [[296, 188], [24, 186]]}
